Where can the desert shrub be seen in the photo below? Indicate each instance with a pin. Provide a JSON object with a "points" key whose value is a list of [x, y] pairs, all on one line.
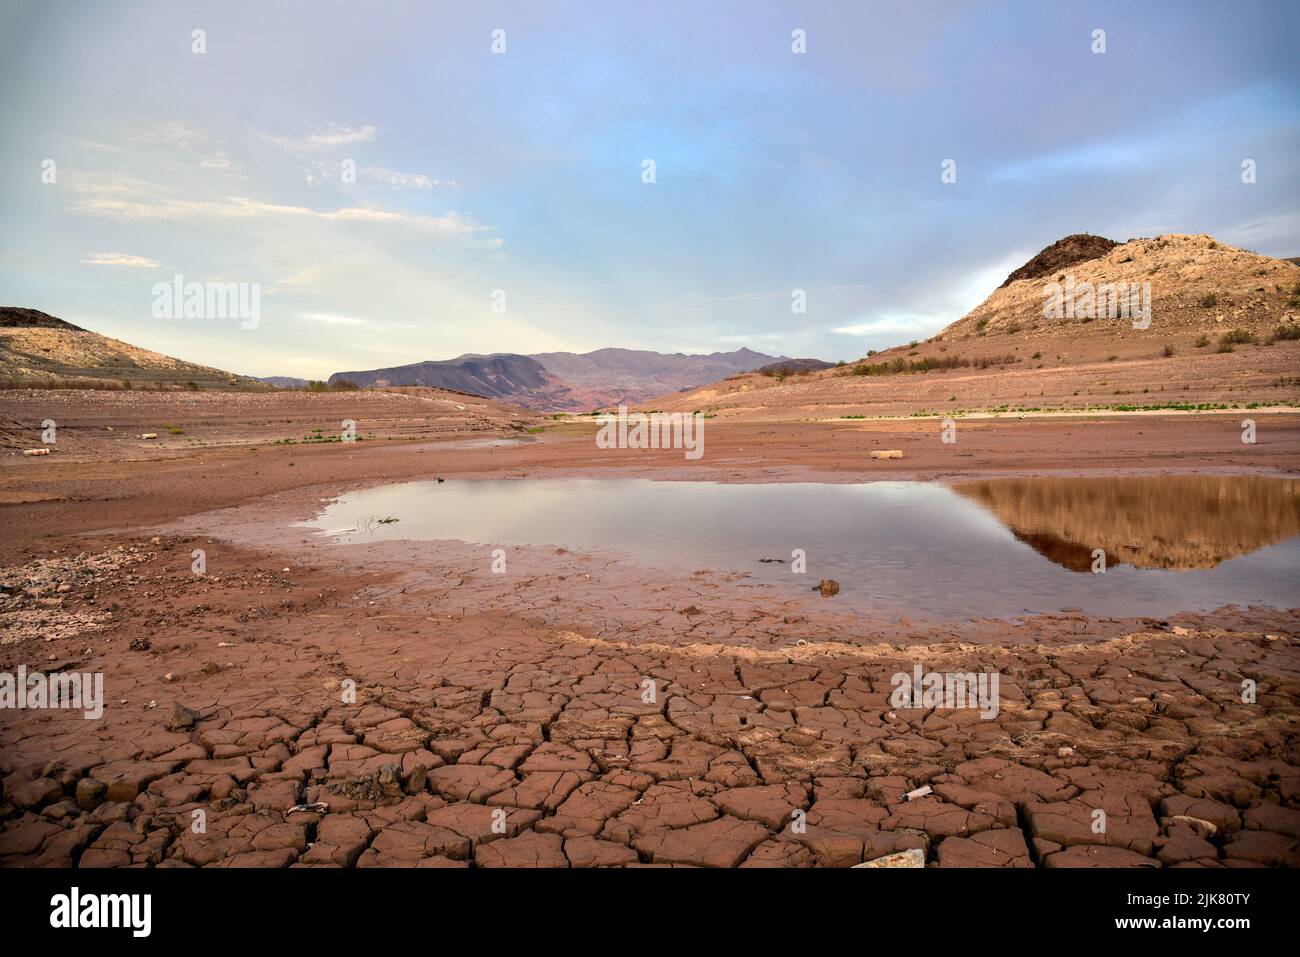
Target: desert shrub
{"points": [[1167, 351], [1285, 333], [1202, 341], [930, 364], [1236, 337], [1210, 300]]}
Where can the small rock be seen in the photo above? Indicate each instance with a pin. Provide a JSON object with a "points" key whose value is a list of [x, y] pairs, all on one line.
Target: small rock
{"points": [[828, 587], [90, 793], [182, 718], [912, 857]]}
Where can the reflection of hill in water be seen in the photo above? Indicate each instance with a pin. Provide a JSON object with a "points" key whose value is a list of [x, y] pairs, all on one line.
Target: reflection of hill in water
{"points": [[1176, 522]]}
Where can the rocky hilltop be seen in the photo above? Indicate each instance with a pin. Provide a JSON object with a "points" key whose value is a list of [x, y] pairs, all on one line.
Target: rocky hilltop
{"points": [[1219, 327]]}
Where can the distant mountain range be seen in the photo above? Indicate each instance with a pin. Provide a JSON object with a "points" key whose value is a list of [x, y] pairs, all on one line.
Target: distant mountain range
{"points": [[567, 381]]}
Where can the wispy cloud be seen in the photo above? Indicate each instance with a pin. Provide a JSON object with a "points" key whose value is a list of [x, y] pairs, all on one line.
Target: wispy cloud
{"points": [[319, 140], [122, 259], [396, 180], [332, 319], [132, 201]]}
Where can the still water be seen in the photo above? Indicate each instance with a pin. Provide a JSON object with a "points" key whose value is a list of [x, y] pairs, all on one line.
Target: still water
{"points": [[995, 548]]}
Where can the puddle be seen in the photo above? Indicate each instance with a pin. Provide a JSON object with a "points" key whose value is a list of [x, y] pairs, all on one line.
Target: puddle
{"points": [[483, 443], [997, 548]]}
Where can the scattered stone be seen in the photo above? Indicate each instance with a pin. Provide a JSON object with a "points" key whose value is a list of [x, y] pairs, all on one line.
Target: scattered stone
{"points": [[913, 857], [90, 793], [182, 718]]}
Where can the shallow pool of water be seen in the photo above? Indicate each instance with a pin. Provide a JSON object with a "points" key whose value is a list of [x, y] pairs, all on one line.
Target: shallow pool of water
{"points": [[996, 548]]}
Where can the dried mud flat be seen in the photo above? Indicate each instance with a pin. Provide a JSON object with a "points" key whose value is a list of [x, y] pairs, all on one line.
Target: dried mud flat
{"points": [[503, 720]]}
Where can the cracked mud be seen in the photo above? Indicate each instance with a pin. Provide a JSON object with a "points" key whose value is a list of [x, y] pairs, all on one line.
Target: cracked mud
{"points": [[492, 726]]}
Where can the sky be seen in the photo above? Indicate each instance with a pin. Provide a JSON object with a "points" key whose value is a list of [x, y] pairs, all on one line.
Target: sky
{"points": [[500, 201]]}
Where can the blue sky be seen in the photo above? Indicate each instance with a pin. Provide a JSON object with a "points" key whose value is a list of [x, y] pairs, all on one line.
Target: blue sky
{"points": [[521, 171]]}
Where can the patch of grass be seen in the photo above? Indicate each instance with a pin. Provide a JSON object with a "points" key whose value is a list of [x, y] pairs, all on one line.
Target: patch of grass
{"points": [[1167, 351], [174, 429], [1210, 300], [1202, 341], [1236, 337]]}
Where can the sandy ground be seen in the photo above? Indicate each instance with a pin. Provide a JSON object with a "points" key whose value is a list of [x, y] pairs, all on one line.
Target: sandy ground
{"points": [[398, 704]]}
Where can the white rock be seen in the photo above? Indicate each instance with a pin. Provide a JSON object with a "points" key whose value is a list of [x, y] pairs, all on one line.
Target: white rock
{"points": [[913, 857]]}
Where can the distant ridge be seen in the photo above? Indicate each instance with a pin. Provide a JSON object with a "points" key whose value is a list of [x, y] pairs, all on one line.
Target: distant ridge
{"points": [[567, 381]]}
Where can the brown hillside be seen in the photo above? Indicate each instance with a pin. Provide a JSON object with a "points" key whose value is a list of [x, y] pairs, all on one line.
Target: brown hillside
{"points": [[39, 349]]}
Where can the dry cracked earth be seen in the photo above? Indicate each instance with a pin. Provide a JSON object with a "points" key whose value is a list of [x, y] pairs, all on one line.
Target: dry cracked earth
{"points": [[275, 713]]}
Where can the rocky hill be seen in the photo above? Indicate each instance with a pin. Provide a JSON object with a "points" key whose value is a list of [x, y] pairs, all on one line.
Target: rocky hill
{"points": [[1196, 285], [37, 348], [1223, 330]]}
